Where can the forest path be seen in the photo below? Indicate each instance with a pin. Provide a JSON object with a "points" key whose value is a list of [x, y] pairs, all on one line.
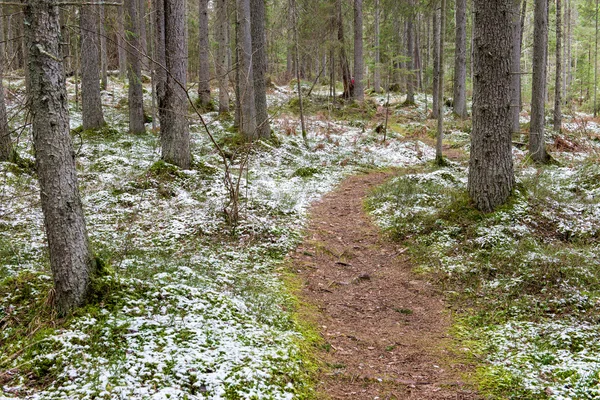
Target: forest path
{"points": [[385, 328]]}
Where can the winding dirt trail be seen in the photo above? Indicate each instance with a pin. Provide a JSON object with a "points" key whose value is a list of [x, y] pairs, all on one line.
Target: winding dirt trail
{"points": [[385, 328]]}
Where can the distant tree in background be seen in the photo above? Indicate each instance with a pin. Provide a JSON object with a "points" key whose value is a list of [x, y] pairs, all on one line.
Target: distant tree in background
{"points": [[203, 56], [134, 68]]}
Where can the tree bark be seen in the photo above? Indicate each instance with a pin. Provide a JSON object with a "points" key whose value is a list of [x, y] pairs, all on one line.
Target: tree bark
{"points": [[259, 66], [70, 256], [6, 144], [436, 62], [134, 69], [221, 27], [377, 71], [121, 45], [460, 60], [537, 147], [346, 77], [410, 80], [103, 48], [440, 122], [558, 78], [359, 91], [491, 176], [174, 129], [91, 100], [516, 68], [246, 72], [203, 56], [143, 37]]}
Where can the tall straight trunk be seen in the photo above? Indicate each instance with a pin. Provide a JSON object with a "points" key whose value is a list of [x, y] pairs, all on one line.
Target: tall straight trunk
{"points": [[134, 69], [91, 100], [346, 78], [221, 28], [521, 33], [10, 42], [568, 59], [259, 66], [70, 255], [436, 62], [143, 35], [160, 74], [491, 175], [417, 55], [296, 58], [596, 65], [410, 80], [440, 123], [121, 45], [460, 60], [174, 129], [203, 56], [246, 72], [515, 106], [359, 91], [103, 48], [557, 85], [6, 144], [537, 147], [376, 70]]}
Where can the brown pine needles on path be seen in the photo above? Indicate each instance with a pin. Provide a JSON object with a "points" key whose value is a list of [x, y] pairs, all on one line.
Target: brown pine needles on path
{"points": [[384, 328]]}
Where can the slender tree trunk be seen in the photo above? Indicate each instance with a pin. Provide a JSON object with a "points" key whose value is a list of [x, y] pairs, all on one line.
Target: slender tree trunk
{"points": [[143, 38], [103, 48], [6, 144], [417, 55], [557, 85], [515, 106], [440, 125], [491, 176], [174, 129], [436, 62], [410, 80], [203, 56], [246, 72], [596, 65], [359, 91], [537, 147], [70, 256], [460, 60], [568, 59], [121, 45], [259, 66], [134, 70], [295, 27], [221, 27], [521, 33], [346, 77], [377, 71], [91, 100], [160, 74]]}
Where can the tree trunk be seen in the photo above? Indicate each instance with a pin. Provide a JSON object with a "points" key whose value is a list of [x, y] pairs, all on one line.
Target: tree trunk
{"points": [[460, 60], [6, 144], [203, 56], [516, 68], [491, 176], [259, 66], [346, 78], [436, 62], [121, 45], [103, 48], [596, 64], [221, 27], [91, 100], [174, 129], [134, 69], [70, 256], [377, 71], [246, 72], [558, 77], [410, 80], [160, 75], [440, 125], [537, 147], [359, 91], [143, 38], [568, 61]]}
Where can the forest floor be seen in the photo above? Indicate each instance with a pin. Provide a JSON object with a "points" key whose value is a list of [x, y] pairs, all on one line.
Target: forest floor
{"points": [[385, 328]]}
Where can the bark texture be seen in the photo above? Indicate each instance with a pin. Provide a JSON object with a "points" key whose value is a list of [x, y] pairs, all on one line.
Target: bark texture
{"points": [[103, 48], [6, 144], [203, 55], [246, 72], [259, 66], [491, 176], [410, 79], [221, 33], [359, 92], [516, 68], [70, 257], [377, 72], [557, 82], [436, 62], [121, 46], [460, 60], [537, 147], [346, 77], [134, 69], [174, 129], [440, 118], [91, 100]]}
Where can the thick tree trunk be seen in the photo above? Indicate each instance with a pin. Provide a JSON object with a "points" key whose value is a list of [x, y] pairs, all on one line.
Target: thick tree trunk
{"points": [[436, 62], [221, 28], [203, 56], [259, 66], [121, 45], [134, 69], [359, 91], [70, 256], [410, 80], [6, 144], [491, 176], [103, 48], [558, 78], [246, 72], [376, 70], [516, 68], [460, 60], [537, 147], [174, 129], [91, 100]]}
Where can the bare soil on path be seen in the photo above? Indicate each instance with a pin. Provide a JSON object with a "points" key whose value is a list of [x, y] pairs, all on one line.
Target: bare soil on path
{"points": [[384, 328]]}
